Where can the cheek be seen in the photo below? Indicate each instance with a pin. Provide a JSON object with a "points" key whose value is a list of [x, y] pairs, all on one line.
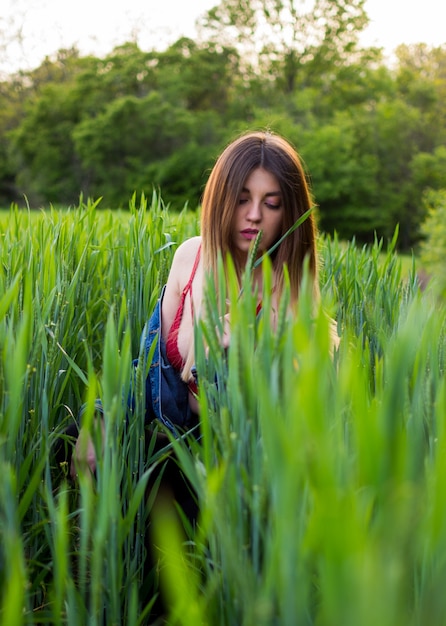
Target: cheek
{"points": [[278, 226], [235, 220], [274, 231]]}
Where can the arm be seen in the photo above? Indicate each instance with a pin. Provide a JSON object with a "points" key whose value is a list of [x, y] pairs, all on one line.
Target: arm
{"points": [[180, 270], [84, 453]]}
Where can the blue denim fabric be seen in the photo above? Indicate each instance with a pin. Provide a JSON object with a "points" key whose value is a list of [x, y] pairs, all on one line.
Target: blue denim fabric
{"points": [[167, 395]]}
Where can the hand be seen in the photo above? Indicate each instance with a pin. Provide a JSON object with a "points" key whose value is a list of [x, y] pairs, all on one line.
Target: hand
{"points": [[84, 453], [223, 331], [225, 338]]}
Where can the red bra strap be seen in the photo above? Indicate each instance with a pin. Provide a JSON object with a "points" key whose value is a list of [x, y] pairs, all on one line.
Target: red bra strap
{"points": [[188, 287]]}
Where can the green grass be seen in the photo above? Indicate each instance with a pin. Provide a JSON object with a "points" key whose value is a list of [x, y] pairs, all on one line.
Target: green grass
{"points": [[320, 480]]}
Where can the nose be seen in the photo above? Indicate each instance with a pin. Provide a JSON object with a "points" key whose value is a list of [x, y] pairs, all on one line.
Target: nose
{"points": [[255, 212]]}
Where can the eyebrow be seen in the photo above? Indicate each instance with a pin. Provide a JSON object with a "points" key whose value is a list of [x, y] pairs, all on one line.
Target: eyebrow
{"points": [[267, 195]]}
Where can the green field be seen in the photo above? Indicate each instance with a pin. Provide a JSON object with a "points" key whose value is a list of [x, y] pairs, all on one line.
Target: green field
{"points": [[320, 480]]}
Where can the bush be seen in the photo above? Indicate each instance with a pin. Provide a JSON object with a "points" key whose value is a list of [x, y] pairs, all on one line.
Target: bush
{"points": [[433, 248]]}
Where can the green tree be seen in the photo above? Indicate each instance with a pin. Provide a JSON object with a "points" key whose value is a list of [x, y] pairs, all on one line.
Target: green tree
{"points": [[48, 168], [104, 127], [181, 177], [118, 143], [344, 177], [25, 98], [420, 79], [372, 137], [10, 114], [370, 169], [39, 143], [367, 168], [199, 77], [138, 143], [284, 37], [433, 247], [429, 170], [126, 71]]}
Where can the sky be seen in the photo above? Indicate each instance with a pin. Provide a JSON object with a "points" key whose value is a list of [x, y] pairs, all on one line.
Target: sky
{"points": [[96, 26]]}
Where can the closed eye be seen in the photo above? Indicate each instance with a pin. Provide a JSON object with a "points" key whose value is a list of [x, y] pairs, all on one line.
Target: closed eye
{"points": [[273, 207]]}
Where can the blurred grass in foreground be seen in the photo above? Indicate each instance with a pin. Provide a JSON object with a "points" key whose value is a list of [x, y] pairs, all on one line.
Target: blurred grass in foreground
{"points": [[320, 481]]}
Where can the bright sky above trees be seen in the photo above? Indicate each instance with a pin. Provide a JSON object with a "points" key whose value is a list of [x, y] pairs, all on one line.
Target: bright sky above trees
{"points": [[96, 26]]}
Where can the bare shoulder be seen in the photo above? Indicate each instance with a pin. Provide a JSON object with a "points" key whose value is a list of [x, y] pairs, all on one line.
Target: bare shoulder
{"points": [[187, 251], [183, 261], [182, 265]]}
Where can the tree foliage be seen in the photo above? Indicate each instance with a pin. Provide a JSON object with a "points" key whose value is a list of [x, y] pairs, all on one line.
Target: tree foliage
{"points": [[373, 138], [285, 35], [433, 246]]}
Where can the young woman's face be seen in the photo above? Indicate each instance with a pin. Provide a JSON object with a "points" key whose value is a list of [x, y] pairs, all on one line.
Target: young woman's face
{"points": [[259, 208]]}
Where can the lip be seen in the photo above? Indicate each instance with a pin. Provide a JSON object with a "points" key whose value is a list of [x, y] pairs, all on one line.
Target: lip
{"points": [[249, 233]]}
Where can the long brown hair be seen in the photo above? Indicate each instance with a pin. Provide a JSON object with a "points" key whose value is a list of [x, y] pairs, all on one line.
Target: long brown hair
{"points": [[221, 197]]}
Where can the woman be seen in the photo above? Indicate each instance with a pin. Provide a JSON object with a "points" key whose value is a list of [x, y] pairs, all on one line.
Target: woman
{"points": [[257, 184]]}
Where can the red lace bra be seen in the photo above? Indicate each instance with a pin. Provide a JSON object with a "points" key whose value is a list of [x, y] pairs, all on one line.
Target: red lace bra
{"points": [[172, 351]]}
